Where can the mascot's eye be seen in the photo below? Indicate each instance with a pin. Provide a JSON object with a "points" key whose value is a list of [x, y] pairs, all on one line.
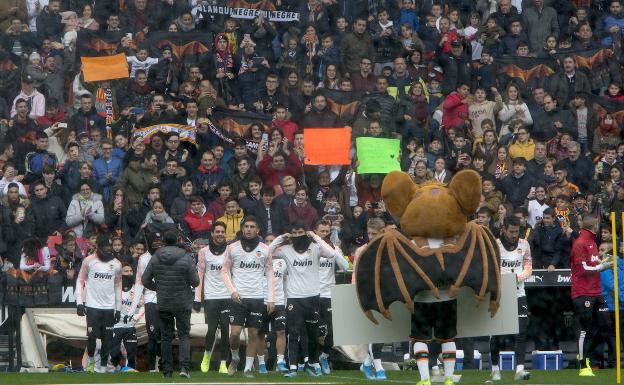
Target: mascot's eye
{"points": [[434, 191], [417, 194]]}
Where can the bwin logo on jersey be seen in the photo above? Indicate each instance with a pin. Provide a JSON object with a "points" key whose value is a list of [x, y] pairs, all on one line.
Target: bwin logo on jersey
{"points": [[215, 267], [305, 262], [103, 276], [326, 263], [250, 265], [511, 264]]}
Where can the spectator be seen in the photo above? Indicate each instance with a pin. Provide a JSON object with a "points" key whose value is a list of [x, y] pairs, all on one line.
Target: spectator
{"points": [[540, 21], [232, 217], [49, 212], [107, 169], [198, 220], [86, 119], [354, 47], [301, 210], [85, 212], [140, 174]]}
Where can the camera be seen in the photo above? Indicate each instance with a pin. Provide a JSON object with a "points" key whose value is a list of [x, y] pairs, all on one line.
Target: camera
{"points": [[374, 205]]}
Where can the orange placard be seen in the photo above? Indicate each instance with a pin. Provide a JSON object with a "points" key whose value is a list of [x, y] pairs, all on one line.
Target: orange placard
{"points": [[327, 146], [104, 67]]}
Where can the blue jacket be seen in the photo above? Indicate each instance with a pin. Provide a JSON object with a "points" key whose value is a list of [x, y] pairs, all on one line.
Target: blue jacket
{"points": [[408, 16], [606, 284], [101, 168]]}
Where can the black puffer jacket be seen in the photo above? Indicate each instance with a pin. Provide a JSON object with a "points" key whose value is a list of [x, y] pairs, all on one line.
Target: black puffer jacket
{"points": [[171, 273]]}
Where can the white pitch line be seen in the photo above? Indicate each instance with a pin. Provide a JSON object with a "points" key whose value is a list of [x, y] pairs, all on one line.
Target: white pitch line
{"points": [[213, 383]]}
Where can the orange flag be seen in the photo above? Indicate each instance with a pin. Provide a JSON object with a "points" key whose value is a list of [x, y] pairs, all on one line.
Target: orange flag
{"points": [[327, 146], [104, 67]]}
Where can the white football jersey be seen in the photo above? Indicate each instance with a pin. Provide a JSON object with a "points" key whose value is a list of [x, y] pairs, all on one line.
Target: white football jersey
{"points": [[279, 274], [303, 268], [518, 262], [536, 211], [244, 272], [149, 296], [99, 284], [327, 271], [127, 300], [211, 283]]}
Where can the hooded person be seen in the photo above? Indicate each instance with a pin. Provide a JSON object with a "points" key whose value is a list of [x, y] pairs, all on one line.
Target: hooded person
{"points": [[172, 273]]}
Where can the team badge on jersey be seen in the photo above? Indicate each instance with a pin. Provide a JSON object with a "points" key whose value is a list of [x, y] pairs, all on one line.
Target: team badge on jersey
{"points": [[587, 304], [290, 307], [258, 253]]}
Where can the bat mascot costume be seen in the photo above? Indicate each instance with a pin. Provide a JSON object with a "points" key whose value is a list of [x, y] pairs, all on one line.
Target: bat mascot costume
{"points": [[424, 265]]}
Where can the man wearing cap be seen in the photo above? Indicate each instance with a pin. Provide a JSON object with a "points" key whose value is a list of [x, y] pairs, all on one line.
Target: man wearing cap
{"points": [[456, 67], [566, 84], [34, 99]]}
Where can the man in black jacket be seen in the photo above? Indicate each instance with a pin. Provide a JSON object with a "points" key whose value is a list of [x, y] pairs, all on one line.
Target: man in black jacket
{"points": [[271, 218], [171, 273], [49, 212]]}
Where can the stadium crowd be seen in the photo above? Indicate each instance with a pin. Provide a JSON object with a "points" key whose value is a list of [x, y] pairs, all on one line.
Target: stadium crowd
{"points": [[432, 73]]}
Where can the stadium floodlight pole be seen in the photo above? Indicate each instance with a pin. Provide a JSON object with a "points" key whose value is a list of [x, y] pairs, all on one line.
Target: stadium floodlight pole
{"points": [[616, 298]]}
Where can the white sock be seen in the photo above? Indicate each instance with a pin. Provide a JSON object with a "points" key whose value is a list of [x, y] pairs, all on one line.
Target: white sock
{"points": [[495, 368], [519, 368], [324, 355], [448, 355], [260, 359], [368, 361], [316, 365], [280, 358], [235, 356], [377, 363], [249, 361], [223, 362], [421, 351], [293, 367]]}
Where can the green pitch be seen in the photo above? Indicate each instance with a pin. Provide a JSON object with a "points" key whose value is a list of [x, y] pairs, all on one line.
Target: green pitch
{"points": [[564, 377]]}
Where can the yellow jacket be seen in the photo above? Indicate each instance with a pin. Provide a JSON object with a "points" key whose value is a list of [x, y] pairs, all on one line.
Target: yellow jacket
{"points": [[526, 150], [233, 223]]}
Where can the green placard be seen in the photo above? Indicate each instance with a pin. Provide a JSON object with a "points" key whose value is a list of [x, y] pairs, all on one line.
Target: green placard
{"points": [[378, 155]]}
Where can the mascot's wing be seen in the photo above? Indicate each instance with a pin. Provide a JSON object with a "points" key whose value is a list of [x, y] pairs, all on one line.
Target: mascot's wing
{"points": [[393, 268]]}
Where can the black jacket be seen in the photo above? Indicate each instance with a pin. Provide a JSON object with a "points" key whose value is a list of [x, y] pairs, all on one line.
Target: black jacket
{"points": [[171, 273], [550, 246], [516, 189], [278, 218], [49, 215]]}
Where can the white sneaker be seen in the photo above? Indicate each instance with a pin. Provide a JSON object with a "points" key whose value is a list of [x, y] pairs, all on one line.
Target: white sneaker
{"points": [[496, 376], [522, 375], [100, 369]]}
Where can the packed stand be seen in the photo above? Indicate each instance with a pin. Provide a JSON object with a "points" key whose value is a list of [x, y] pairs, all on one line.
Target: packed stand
{"points": [[545, 137]]}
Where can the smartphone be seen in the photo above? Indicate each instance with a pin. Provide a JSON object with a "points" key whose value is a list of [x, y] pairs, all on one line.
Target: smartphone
{"points": [[129, 35], [265, 137], [257, 61], [374, 205], [137, 110], [62, 125]]}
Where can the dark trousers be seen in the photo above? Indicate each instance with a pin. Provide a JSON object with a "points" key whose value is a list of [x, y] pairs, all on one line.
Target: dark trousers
{"points": [[172, 320], [100, 325], [152, 323], [519, 340], [129, 338], [302, 318]]}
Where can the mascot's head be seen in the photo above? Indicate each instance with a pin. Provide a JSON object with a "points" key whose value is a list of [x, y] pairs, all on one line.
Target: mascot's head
{"points": [[432, 210]]}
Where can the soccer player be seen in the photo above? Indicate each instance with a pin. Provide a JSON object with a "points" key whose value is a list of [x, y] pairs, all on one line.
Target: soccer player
{"points": [[99, 298], [216, 297], [374, 227], [276, 321], [515, 259], [247, 262], [591, 308], [150, 299], [327, 274], [302, 252], [124, 330]]}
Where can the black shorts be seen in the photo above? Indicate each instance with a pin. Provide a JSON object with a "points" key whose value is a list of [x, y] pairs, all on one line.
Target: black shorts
{"points": [[434, 320], [301, 311], [274, 322], [325, 314], [589, 306], [249, 313], [99, 320], [217, 308]]}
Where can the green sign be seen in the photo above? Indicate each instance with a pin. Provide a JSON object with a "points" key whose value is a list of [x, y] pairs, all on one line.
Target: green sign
{"points": [[378, 155]]}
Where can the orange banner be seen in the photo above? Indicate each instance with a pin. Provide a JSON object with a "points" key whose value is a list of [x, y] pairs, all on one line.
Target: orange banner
{"points": [[327, 146], [104, 67]]}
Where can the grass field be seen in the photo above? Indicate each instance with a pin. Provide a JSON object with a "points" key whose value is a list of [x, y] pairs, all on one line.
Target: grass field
{"points": [[564, 377]]}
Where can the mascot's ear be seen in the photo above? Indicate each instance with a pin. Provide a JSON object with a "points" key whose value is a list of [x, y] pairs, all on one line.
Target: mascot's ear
{"points": [[466, 188], [397, 192]]}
